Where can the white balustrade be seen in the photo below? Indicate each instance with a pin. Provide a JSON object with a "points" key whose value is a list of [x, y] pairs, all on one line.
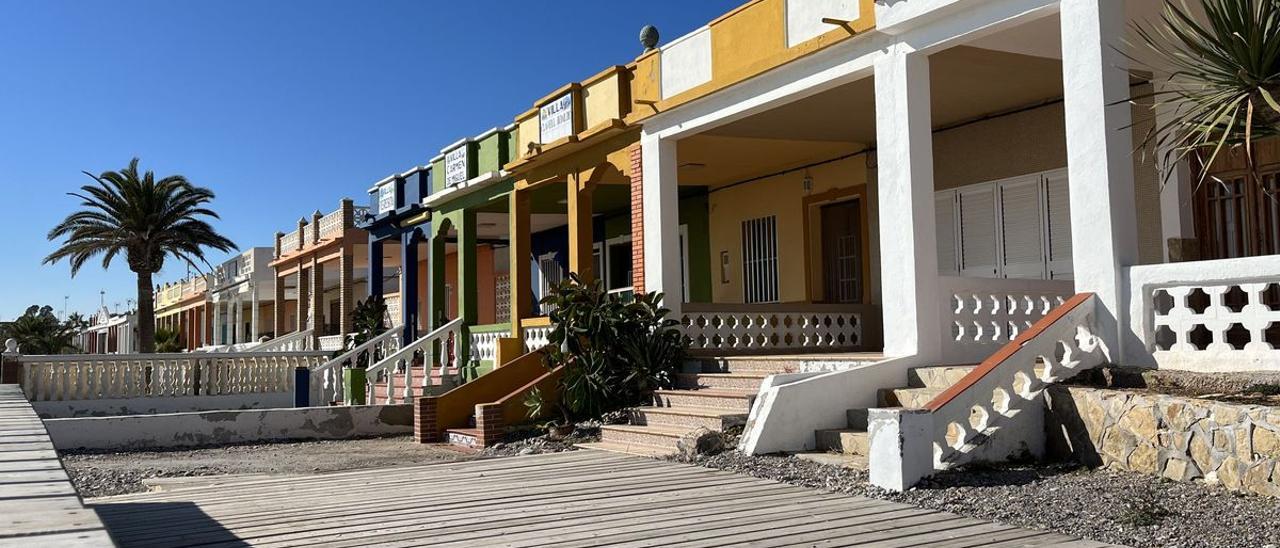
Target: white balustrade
{"points": [[398, 366], [331, 343], [484, 343], [983, 314], [536, 337], [298, 341], [772, 327], [326, 380], [125, 376], [1207, 316], [993, 412]]}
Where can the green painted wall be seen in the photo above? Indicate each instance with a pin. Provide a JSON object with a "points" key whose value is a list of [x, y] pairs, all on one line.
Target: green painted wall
{"points": [[693, 213]]}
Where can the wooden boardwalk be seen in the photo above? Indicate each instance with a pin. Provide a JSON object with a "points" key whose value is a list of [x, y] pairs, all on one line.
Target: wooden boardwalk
{"points": [[38, 504], [582, 498]]}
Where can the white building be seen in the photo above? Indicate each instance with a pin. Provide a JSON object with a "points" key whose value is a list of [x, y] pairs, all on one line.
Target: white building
{"points": [[241, 294]]}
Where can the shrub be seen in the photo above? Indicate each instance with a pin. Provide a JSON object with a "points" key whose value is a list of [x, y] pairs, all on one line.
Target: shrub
{"points": [[616, 350]]}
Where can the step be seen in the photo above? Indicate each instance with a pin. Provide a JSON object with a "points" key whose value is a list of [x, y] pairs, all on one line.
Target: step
{"points": [[465, 437], [843, 440], [687, 417], [731, 381], [636, 449], [733, 401], [633, 434], [857, 418], [784, 363], [854, 462], [910, 398], [937, 377]]}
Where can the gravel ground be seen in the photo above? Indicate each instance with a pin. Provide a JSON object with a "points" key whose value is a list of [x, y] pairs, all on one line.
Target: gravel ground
{"points": [[98, 474], [1102, 505], [534, 441]]}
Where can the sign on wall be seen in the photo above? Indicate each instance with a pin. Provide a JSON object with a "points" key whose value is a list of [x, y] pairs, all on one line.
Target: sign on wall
{"points": [[386, 197], [455, 166], [556, 119]]}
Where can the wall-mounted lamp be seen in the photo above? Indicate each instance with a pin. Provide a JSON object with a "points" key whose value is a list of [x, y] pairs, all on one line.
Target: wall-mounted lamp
{"points": [[807, 183]]}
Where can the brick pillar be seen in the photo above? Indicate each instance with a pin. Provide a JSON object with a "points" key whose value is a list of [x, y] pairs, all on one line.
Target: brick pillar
{"points": [[304, 296], [637, 218], [425, 427], [277, 307], [346, 286], [317, 297], [489, 423]]}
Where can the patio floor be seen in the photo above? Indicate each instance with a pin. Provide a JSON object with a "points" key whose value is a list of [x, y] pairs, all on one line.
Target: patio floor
{"points": [[581, 498]]}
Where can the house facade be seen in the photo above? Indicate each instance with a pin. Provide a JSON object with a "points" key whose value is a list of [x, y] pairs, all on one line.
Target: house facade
{"points": [[110, 333], [241, 299]]}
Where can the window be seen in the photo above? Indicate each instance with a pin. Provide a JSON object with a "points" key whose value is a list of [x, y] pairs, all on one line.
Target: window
{"points": [[1013, 228], [549, 275], [760, 260], [618, 264]]}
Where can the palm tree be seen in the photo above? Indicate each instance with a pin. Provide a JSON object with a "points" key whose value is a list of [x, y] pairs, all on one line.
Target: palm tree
{"points": [[147, 220], [1221, 76]]}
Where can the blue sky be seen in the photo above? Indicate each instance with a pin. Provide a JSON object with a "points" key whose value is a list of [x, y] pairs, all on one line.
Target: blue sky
{"points": [[280, 107]]}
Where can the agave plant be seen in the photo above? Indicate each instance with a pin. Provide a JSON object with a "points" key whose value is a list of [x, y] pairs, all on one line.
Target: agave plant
{"points": [[1220, 76]]}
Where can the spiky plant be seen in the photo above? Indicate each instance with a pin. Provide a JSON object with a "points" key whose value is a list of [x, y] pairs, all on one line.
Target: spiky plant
{"points": [[144, 219], [1220, 76]]}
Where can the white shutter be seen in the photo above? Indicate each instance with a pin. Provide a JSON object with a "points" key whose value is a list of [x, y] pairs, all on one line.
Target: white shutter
{"points": [[1021, 242], [945, 204], [1057, 211], [978, 231]]}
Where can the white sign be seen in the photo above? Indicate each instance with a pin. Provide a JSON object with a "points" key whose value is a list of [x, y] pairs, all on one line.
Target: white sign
{"points": [[455, 166], [556, 119], [387, 197]]}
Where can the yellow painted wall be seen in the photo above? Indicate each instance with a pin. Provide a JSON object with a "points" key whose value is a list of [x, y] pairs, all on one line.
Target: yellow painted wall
{"points": [[782, 196], [601, 98]]}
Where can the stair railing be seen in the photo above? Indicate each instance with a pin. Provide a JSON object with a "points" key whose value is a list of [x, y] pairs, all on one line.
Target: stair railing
{"points": [[384, 372], [298, 341], [327, 378], [910, 444]]}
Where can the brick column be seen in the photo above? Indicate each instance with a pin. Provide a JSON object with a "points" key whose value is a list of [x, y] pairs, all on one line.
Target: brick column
{"points": [[304, 296], [317, 296], [425, 428], [346, 287], [277, 306], [489, 424], [637, 218]]}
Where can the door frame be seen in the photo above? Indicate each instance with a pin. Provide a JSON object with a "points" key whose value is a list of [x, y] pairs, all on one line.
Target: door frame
{"points": [[811, 210]]}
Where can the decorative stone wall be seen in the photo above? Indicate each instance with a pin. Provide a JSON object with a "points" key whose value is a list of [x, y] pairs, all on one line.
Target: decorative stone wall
{"points": [[1182, 439]]}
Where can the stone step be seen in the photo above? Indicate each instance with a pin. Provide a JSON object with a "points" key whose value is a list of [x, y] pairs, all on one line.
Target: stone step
{"points": [[732, 381], [765, 365], [857, 418], [687, 417], [843, 440], [732, 401], [637, 449], [855, 462], [937, 377], [464, 437], [910, 398], [652, 436]]}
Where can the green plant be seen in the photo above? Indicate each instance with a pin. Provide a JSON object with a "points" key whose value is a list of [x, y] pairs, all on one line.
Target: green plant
{"points": [[144, 219], [38, 331], [1221, 78], [615, 350], [536, 407], [368, 318], [168, 340]]}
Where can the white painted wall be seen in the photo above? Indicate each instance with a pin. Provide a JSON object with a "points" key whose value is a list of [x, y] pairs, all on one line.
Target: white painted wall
{"points": [[804, 17], [686, 62], [224, 427], [152, 405]]}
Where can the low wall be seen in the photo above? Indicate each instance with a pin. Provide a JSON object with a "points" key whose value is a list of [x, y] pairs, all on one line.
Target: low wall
{"points": [[157, 405], [136, 432], [1182, 439]]}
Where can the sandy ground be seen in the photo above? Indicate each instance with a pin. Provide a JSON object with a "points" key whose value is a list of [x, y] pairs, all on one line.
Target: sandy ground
{"points": [[104, 474]]}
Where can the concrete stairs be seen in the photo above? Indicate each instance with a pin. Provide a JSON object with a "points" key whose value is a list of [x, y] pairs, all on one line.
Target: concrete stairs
{"points": [[438, 382], [923, 384], [715, 393]]}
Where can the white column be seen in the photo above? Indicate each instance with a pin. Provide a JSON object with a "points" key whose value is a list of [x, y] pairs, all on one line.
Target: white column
{"points": [[908, 237], [1099, 156], [661, 221], [253, 314], [1176, 220], [217, 322]]}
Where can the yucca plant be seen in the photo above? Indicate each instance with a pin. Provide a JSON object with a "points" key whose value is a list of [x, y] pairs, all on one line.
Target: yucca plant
{"points": [[1220, 77], [145, 220]]}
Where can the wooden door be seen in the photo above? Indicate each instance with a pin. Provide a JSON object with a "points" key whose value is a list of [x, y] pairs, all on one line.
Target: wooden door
{"points": [[842, 252]]}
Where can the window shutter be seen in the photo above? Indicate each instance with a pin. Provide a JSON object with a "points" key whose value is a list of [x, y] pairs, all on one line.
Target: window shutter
{"points": [[1022, 237], [1057, 210], [978, 231], [945, 204]]}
